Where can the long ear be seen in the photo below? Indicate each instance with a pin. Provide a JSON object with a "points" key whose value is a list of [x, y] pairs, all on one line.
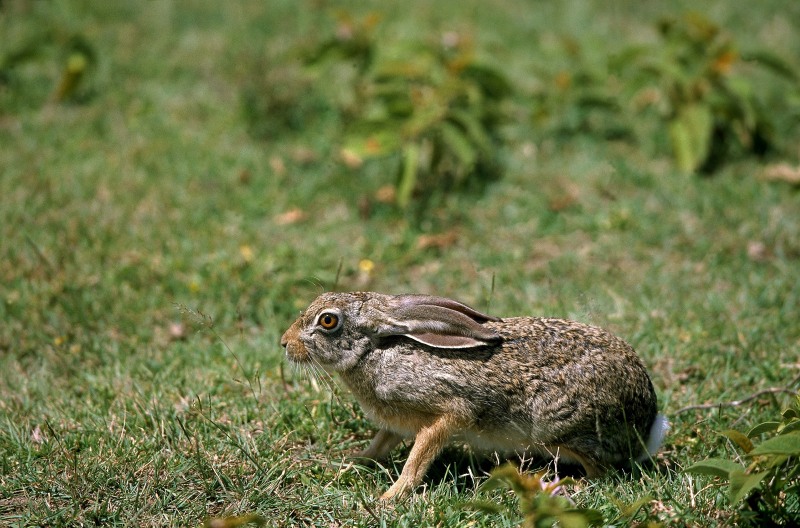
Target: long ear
{"points": [[429, 300], [436, 321]]}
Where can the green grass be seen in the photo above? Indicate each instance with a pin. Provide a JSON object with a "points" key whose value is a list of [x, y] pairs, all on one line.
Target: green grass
{"points": [[146, 275]]}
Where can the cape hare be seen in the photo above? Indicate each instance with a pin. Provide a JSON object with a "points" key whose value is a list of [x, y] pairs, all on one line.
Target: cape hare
{"points": [[434, 369]]}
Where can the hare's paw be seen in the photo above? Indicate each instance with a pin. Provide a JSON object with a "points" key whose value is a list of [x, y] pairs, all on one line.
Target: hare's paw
{"points": [[381, 445], [400, 488]]}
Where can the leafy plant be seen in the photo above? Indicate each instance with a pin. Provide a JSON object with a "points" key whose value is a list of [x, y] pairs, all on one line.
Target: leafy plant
{"points": [[769, 484], [437, 110], [26, 65], [541, 502], [702, 85], [280, 98], [585, 95], [79, 61], [712, 106], [294, 89]]}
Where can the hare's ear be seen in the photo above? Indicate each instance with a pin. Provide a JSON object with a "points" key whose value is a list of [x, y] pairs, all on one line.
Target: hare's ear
{"points": [[429, 300], [435, 321]]}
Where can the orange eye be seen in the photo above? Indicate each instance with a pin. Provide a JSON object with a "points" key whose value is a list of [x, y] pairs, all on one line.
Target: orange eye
{"points": [[329, 321]]}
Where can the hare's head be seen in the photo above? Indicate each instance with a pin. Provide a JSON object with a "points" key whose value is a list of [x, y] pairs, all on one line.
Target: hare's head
{"points": [[337, 329]]}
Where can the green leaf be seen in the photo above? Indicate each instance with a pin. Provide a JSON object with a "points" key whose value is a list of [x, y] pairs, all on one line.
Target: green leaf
{"points": [[408, 176], [740, 99], [474, 128], [597, 99], [741, 484], [690, 133], [484, 506], [774, 63], [572, 519], [455, 140], [775, 461], [739, 439], [790, 427], [717, 467], [791, 413], [491, 81], [786, 444], [383, 141], [595, 517], [681, 145], [627, 511], [502, 477], [765, 427]]}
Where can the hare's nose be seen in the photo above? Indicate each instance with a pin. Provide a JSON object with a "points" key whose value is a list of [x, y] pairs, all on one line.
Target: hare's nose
{"points": [[291, 334]]}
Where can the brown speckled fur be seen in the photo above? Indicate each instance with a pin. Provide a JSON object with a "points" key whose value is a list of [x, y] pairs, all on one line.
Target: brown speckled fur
{"points": [[545, 385]]}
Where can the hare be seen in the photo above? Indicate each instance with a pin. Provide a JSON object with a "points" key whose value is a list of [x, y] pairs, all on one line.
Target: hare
{"points": [[434, 369]]}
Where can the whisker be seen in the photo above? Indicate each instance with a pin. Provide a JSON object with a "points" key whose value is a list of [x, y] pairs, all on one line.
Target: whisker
{"points": [[325, 376]]}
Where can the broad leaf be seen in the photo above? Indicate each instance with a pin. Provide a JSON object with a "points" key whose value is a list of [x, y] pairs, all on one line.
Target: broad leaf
{"points": [[681, 145], [492, 82], [791, 413], [485, 506], [786, 444], [374, 142], [717, 467], [474, 128], [741, 484], [573, 519], [627, 511], [455, 141], [765, 427], [790, 427], [408, 176], [739, 439], [690, 132], [773, 62]]}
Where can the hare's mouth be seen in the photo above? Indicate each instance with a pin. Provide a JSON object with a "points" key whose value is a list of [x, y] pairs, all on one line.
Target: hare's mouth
{"points": [[296, 352]]}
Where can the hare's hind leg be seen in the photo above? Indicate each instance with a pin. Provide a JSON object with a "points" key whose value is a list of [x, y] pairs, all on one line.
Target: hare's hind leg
{"points": [[590, 467], [428, 443], [383, 442]]}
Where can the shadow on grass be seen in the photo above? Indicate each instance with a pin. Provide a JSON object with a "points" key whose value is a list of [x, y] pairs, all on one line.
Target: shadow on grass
{"points": [[466, 470]]}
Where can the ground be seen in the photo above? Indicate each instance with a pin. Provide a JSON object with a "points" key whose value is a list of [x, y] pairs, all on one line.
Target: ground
{"points": [[153, 248]]}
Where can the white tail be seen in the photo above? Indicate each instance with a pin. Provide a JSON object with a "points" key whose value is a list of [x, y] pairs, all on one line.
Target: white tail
{"points": [[657, 433]]}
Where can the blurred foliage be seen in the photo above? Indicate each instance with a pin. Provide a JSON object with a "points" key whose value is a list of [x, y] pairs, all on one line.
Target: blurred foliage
{"points": [[78, 60], [311, 83], [585, 95], [434, 107], [713, 105], [50, 64], [282, 97], [431, 108], [435, 111], [768, 486], [543, 503], [697, 79]]}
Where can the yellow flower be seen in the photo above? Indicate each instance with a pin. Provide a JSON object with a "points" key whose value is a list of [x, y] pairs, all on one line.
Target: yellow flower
{"points": [[366, 266]]}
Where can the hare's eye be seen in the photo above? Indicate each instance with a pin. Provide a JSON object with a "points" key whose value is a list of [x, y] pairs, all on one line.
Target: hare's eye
{"points": [[329, 321]]}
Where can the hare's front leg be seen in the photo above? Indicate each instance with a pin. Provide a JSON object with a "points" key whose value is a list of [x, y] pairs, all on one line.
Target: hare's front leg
{"points": [[428, 443], [383, 442]]}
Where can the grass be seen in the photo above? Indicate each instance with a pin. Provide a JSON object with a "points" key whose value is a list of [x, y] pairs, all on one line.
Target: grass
{"points": [[148, 267]]}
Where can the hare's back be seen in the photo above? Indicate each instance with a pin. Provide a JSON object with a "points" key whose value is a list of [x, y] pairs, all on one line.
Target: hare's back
{"points": [[561, 340], [574, 361]]}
